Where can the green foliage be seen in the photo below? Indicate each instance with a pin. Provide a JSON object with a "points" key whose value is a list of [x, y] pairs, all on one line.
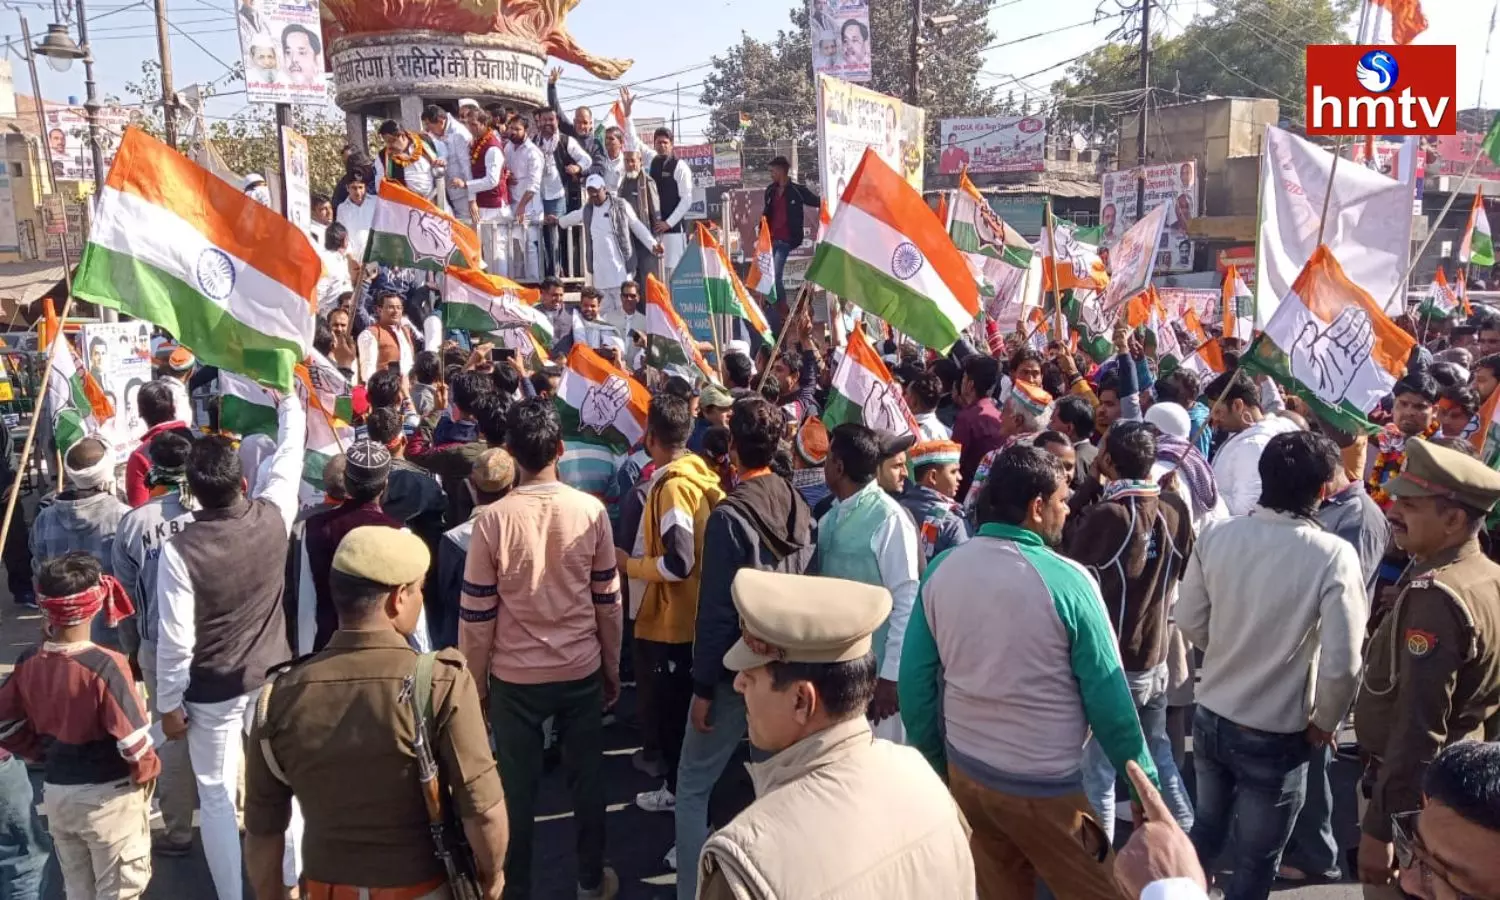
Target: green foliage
{"points": [[773, 82], [1245, 48]]}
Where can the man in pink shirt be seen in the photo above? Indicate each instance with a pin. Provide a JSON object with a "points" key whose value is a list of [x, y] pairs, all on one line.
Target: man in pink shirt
{"points": [[540, 614]]}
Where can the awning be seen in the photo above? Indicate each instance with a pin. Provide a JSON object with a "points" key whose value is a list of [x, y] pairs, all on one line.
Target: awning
{"points": [[21, 284]]}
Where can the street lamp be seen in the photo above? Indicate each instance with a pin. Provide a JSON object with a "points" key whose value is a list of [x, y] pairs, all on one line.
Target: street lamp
{"points": [[58, 48]]}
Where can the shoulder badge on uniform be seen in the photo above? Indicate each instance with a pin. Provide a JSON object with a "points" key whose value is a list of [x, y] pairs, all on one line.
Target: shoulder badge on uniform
{"points": [[289, 665], [1420, 583], [1420, 643]]}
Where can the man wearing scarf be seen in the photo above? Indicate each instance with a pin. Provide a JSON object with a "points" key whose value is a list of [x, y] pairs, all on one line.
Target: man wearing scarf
{"points": [[137, 551], [71, 706], [85, 516]]}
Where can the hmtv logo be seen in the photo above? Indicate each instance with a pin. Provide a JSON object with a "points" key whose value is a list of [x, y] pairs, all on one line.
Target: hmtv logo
{"points": [[1355, 89]]}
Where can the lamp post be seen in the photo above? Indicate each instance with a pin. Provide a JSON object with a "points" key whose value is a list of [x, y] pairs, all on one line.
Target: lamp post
{"points": [[59, 50]]}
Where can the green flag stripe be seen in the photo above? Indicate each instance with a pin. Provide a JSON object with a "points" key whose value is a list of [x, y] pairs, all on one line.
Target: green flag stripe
{"points": [[122, 282], [238, 415], [1266, 358], [396, 250], [906, 310]]}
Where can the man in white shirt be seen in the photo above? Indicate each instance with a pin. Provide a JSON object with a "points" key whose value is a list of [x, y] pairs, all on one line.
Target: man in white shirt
{"points": [[608, 226], [1239, 411], [674, 186], [389, 340], [453, 144], [357, 214], [407, 160], [612, 165], [563, 162], [525, 161]]}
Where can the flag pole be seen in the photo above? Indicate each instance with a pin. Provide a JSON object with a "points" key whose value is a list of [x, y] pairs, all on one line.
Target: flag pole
{"points": [[791, 317], [1432, 232], [39, 403], [1051, 225]]}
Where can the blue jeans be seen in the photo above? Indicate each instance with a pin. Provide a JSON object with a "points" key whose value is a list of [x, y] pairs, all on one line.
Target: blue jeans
{"points": [[779, 252], [1313, 848], [1253, 781], [551, 237], [704, 757], [1150, 692], [25, 847]]}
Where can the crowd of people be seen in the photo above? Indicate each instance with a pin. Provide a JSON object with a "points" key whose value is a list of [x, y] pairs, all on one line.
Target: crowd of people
{"points": [[946, 647]]}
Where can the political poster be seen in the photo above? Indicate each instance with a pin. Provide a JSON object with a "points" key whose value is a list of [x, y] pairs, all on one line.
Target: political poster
{"points": [[281, 44], [1173, 185], [68, 136], [118, 355], [298, 197], [1132, 259], [727, 164], [700, 159], [840, 32], [994, 144], [1203, 302], [851, 119]]}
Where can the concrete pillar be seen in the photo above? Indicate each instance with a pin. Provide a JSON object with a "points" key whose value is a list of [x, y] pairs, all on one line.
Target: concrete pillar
{"points": [[354, 128], [411, 112]]}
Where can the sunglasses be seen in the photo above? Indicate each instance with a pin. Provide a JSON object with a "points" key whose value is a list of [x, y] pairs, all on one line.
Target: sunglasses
{"points": [[1411, 854]]}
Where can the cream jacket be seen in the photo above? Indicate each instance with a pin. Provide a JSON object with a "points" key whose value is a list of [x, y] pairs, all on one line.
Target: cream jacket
{"points": [[841, 814]]}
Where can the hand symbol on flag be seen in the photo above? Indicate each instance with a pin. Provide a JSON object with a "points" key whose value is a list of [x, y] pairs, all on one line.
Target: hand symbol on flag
{"points": [[430, 237], [602, 404], [1326, 359], [883, 410]]}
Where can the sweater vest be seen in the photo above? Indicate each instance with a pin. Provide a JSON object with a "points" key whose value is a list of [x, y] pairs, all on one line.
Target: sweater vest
{"points": [[494, 198], [662, 170]]}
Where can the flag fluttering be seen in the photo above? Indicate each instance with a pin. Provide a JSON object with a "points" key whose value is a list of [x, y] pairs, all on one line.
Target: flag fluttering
{"points": [[1074, 253], [726, 293], [1331, 344], [1478, 247], [480, 302], [175, 245], [1407, 19], [75, 402], [1238, 305], [762, 277], [864, 392], [889, 253], [670, 345], [409, 232], [603, 412]]}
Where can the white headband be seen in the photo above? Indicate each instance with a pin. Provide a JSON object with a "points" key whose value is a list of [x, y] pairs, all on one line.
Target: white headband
{"points": [[101, 475]]}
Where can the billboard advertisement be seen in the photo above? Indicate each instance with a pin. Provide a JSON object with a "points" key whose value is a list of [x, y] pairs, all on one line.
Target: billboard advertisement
{"points": [[995, 144], [1174, 185], [700, 159], [281, 43], [840, 31], [68, 135], [851, 119]]}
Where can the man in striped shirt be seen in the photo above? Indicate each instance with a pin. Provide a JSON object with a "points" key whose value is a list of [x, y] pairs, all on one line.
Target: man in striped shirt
{"points": [[71, 705]]}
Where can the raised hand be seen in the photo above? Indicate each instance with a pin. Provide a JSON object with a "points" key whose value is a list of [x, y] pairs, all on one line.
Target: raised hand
{"points": [[1327, 358], [602, 404]]}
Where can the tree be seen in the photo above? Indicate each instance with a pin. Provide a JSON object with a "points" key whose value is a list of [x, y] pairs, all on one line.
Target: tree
{"points": [[1246, 48], [772, 80], [248, 141]]}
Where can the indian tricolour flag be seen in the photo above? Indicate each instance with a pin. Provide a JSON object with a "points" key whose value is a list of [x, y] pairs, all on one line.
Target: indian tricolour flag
{"points": [[1441, 298], [479, 302], [1238, 305], [1331, 344], [887, 251], [670, 346], [75, 401], [1206, 359], [1478, 247], [246, 409], [179, 247], [762, 276], [409, 232], [863, 390], [726, 293], [603, 412]]}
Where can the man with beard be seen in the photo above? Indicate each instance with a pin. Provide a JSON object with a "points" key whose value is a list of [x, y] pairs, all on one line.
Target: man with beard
{"points": [[637, 189]]}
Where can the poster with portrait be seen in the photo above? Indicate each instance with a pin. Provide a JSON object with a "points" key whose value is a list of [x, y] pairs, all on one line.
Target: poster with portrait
{"points": [[298, 196], [851, 119], [68, 139], [118, 355], [281, 44], [1174, 185], [993, 144], [1133, 258], [840, 34]]}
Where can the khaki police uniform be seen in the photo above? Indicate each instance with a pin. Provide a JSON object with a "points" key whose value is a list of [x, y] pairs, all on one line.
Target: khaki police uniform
{"points": [[1432, 667], [337, 734], [840, 814]]}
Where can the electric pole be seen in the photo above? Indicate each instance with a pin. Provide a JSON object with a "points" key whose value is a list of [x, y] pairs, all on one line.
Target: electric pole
{"points": [[168, 95], [915, 76], [1140, 135]]}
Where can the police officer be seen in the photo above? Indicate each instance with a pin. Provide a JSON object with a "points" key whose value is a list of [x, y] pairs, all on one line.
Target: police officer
{"points": [[837, 811], [1432, 673], [336, 732]]}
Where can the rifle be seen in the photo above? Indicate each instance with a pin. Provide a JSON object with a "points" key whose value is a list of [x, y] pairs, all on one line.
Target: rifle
{"points": [[448, 842]]}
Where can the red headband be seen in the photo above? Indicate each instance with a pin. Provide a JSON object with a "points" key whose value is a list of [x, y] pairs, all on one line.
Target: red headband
{"points": [[75, 609]]}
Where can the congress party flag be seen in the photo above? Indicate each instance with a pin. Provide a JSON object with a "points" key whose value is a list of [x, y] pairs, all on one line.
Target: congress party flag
{"points": [[864, 392], [1073, 253], [1478, 247], [889, 253], [1003, 262], [1441, 299], [1131, 261], [726, 293], [1330, 343], [603, 412], [479, 302], [670, 346], [75, 401], [177, 246], [409, 232], [1238, 305], [762, 275]]}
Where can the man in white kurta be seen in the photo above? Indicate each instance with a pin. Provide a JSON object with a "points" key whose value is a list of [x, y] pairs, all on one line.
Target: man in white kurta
{"points": [[608, 244]]}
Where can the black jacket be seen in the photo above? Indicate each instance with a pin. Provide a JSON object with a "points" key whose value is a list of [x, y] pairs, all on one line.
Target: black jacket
{"points": [[797, 196], [765, 524]]}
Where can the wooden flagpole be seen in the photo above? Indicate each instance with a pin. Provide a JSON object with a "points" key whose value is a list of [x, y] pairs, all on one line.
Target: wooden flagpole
{"points": [[792, 314]]}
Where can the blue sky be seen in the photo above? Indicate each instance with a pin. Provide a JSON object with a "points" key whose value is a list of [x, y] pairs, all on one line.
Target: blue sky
{"points": [[677, 35]]}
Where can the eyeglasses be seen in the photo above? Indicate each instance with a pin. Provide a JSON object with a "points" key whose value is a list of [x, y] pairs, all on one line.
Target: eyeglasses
{"points": [[1411, 853]]}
